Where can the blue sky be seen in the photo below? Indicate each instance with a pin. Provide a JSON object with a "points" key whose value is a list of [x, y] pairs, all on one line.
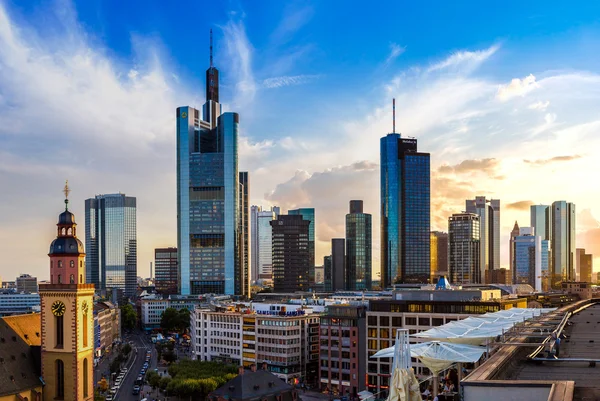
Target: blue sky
{"points": [[504, 96]]}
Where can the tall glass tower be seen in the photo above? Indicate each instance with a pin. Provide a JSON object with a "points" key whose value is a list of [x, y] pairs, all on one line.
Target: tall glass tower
{"points": [[211, 197], [358, 248], [464, 248], [489, 226], [262, 243], [563, 242], [111, 242], [405, 211]]}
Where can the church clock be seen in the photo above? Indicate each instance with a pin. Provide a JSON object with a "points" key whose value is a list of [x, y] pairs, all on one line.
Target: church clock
{"points": [[58, 308]]}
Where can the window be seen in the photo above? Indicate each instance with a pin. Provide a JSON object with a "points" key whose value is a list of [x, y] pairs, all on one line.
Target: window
{"points": [[397, 321], [85, 377], [411, 321], [437, 322], [60, 380], [384, 321], [424, 321], [58, 321], [372, 320], [85, 330], [72, 279], [59, 279], [72, 263]]}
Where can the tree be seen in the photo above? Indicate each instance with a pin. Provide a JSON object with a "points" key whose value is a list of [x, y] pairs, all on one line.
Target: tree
{"points": [[103, 385], [115, 365], [169, 320], [128, 316], [153, 379], [169, 356], [164, 382], [184, 319], [126, 349]]}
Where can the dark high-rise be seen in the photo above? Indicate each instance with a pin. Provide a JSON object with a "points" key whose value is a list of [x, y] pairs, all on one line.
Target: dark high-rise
{"points": [[338, 264], [308, 213], [358, 248], [165, 270], [464, 249], [405, 211], [211, 198], [111, 242], [243, 281], [291, 258]]}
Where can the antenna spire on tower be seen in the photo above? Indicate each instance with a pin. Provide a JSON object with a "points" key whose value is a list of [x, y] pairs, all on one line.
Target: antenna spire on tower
{"points": [[394, 115], [211, 58]]}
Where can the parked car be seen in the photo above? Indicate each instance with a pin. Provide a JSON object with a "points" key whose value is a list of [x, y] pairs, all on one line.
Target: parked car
{"points": [[136, 390]]}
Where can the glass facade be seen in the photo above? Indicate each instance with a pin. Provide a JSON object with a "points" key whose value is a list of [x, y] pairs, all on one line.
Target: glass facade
{"points": [[489, 231], [308, 214], [111, 238], [358, 249], [563, 242], [464, 248], [262, 257], [531, 257], [291, 255], [165, 270], [212, 200], [405, 211]]}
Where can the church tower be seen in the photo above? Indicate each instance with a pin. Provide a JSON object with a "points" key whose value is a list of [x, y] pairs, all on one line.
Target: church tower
{"points": [[67, 317]]}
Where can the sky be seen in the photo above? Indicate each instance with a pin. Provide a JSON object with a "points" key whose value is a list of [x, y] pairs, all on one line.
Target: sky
{"points": [[504, 96]]}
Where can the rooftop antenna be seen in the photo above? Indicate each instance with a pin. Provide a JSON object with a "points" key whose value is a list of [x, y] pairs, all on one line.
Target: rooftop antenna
{"points": [[394, 115], [211, 60]]}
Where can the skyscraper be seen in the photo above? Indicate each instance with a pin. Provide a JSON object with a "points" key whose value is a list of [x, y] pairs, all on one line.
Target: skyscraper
{"points": [[358, 248], [439, 254], [291, 258], [243, 275], [111, 242], [464, 249], [584, 265], [563, 242], [513, 234], [165, 270], [211, 197], [308, 213], [338, 264], [530, 254], [489, 231], [262, 256], [327, 274], [405, 211], [541, 221]]}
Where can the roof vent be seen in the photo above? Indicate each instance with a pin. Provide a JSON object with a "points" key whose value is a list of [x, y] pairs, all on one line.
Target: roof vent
{"points": [[1, 360], [37, 333], [24, 355], [2, 339], [26, 336], [14, 338], [12, 378], [271, 384], [14, 358]]}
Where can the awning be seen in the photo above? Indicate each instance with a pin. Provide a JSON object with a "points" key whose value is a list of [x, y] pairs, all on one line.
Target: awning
{"points": [[477, 330]]}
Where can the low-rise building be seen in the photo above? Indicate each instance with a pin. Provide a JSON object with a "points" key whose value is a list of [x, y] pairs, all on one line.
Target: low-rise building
{"points": [[582, 289], [283, 336], [27, 284], [421, 310], [153, 306], [107, 326], [18, 304], [342, 349]]}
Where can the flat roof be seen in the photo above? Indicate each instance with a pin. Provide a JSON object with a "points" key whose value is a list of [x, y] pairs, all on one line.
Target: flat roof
{"points": [[583, 342]]}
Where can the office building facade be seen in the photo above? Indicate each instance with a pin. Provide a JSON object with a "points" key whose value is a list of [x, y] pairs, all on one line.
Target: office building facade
{"points": [[165, 270], [291, 253], [464, 253], [488, 211], [530, 259], [563, 242], [111, 242], [513, 234], [584, 266], [262, 245], [405, 211], [439, 255], [338, 264], [327, 274], [342, 349], [27, 284], [308, 213], [359, 244], [242, 281], [211, 197]]}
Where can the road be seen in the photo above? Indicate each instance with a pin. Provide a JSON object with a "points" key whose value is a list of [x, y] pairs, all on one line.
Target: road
{"points": [[141, 344]]}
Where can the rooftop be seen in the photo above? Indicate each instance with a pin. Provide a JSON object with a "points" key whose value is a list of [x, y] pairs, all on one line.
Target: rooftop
{"points": [[28, 327]]}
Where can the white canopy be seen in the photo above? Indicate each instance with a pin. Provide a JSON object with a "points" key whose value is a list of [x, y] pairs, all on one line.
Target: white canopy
{"points": [[476, 330]]}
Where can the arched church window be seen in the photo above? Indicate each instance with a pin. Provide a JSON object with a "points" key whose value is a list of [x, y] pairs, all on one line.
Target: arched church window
{"points": [[72, 263], [60, 379], [72, 279], [59, 279]]}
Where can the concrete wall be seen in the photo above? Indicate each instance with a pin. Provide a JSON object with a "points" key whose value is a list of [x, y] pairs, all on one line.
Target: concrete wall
{"points": [[503, 392]]}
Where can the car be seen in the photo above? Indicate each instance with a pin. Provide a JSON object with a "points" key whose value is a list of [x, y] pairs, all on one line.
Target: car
{"points": [[136, 390], [118, 383], [109, 398], [124, 370], [113, 390]]}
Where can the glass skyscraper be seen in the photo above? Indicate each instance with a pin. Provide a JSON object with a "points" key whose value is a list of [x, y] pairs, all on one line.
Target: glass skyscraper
{"points": [[531, 257], [211, 197], [308, 213], [405, 211], [358, 248], [489, 231], [563, 242], [464, 248], [262, 257], [111, 242]]}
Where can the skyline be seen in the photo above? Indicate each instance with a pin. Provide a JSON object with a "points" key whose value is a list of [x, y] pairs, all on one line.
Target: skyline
{"points": [[75, 101]]}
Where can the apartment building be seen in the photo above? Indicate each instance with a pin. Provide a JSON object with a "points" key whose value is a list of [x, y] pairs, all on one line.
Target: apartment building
{"points": [[153, 306], [421, 310], [107, 326], [286, 337]]}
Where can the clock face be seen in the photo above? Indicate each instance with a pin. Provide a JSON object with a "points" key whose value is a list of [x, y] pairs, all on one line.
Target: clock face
{"points": [[84, 307], [58, 308]]}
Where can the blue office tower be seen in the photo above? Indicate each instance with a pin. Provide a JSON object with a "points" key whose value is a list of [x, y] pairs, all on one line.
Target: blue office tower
{"points": [[405, 211], [210, 199], [308, 213]]}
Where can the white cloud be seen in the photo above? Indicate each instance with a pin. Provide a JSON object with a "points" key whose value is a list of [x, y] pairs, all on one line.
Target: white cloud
{"points": [[517, 87], [239, 52], [278, 82], [292, 21], [395, 51], [464, 59], [542, 106]]}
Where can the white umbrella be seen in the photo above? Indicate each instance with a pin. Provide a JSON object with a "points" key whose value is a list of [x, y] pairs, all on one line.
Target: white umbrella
{"points": [[404, 386]]}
